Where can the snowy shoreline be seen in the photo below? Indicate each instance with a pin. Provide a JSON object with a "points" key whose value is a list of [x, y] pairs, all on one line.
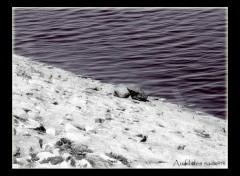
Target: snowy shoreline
{"points": [[63, 120]]}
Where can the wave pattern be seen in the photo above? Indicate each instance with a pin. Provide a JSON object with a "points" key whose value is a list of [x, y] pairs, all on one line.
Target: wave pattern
{"points": [[178, 54]]}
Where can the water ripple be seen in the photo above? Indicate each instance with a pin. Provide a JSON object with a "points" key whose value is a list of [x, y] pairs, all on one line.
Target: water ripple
{"points": [[171, 53]]}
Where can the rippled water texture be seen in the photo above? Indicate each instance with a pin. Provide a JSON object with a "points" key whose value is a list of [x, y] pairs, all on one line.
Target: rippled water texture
{"points": [[178, 54]]}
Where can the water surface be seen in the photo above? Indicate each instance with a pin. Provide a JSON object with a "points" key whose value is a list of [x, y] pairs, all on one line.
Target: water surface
{"points": [[178, 54]]}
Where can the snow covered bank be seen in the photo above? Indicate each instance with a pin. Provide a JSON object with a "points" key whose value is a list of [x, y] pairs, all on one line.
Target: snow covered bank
{"points": [[63, 120]]}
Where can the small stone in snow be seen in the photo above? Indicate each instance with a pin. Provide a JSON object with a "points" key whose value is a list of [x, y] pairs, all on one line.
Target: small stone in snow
{"points": [[160, 125], [40, 129], [80, 127], [20, 118], [66, 141], [73, 162], [44, 161], [34, 157], [121, 92], [139, 135], [68, 158], [17, 153], [78, 107], [96, 88], [26, 110], [181, 147], [80, 156], [59, 143], [40, 142], [144, 139], [99, 120], [109, 118], [121, 158], [56, 160], [223, 129]]}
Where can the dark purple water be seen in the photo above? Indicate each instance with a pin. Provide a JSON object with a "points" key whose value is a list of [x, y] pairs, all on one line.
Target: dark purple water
{"points": [[178, 54]]}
